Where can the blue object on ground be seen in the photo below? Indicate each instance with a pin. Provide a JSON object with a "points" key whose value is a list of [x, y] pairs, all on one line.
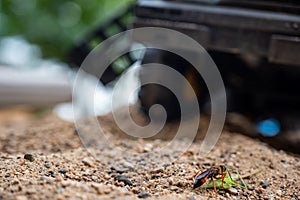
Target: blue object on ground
{"points": [[269, 127]]}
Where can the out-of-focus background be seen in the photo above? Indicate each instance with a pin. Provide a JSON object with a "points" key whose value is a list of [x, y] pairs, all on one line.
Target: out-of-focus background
{"points": [[255, 45], [54, 25], [42, 44], [36, 43]]}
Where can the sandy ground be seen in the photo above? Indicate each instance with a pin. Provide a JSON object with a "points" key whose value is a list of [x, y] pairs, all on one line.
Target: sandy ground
{"points": [[57, 166]]}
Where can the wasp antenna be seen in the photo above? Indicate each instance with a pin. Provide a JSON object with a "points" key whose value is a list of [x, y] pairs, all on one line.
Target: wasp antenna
{"points": [[241, 178], [229, 175]]}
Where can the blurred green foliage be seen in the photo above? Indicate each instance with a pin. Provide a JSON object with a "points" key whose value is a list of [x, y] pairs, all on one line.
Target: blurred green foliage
{"points": [[55, 25]]}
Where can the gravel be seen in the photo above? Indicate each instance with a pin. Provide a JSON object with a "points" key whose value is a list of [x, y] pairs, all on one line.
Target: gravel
{"points": [[87, 162], [123, 179], [63, 169], [29, 156], [265, 185], [233, 191], [143, 195]]}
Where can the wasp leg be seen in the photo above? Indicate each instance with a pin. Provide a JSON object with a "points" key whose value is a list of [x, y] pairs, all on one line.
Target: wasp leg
{"points": [[197, 173], [193, 177], [215, 189], [222, 178]]}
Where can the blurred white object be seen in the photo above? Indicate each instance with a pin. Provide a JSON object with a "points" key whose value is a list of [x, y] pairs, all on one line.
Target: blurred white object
{"points": [[17, 52], [92, 98], [33, 87], [25, 78]]}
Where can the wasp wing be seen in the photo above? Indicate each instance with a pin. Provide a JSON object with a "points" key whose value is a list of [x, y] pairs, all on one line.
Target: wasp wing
{"points": [[202, 178]]}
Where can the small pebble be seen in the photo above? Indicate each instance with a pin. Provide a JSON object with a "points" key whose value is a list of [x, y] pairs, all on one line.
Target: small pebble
{"points": [[166, 165], [101, 189], [122, 170], [60, 197], [265, 185], [154, 176], [181, 183], [148, 147], [29, 156], [192, 197], [279, 192], [227, 195], [143, 195], [14, 182], [124, 190], [260, 190], [174, 188], [21, 198], [47, 164], [135, 190], [233, 191], [87, 162], [123, 179], [128, 165], [52, 174], [44, 178], [62, 170], [65, 183], [157, 170]]}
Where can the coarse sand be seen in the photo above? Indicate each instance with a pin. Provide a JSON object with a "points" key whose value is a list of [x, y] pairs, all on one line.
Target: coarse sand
{"points": [[42, 157]]}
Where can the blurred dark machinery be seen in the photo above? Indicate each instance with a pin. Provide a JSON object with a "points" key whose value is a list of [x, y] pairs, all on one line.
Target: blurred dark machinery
{"points": [[256, 47], [86, 44], [254, 43]]}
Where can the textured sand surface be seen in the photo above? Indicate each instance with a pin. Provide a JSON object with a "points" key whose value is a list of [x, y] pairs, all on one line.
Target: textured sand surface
{"points": [[61, 168]]}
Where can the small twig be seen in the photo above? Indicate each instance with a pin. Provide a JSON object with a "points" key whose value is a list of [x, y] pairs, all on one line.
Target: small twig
{"points": [[242, 180], [251, 174]]}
